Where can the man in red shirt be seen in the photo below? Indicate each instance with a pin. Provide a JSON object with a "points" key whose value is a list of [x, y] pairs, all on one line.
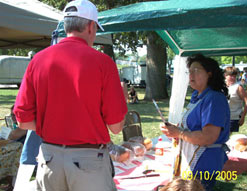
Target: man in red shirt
{"points": [[71, 95]]}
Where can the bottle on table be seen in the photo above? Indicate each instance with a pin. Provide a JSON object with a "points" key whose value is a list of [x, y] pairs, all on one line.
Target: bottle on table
{"points": [[159, 147]]}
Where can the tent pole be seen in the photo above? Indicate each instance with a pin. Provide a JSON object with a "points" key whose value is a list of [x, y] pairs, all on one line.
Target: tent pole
{"points": [[233, 60]]}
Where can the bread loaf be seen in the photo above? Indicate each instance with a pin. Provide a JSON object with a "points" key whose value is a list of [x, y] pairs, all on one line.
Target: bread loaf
{"points": [[241, 144], [242, 141], [138, 149], [123, 156], [142, 140], [119, 153], [148, 143]]}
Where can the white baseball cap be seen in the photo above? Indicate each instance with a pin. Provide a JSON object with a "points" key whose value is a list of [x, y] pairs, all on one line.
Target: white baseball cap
{"points": [[84, 9]]}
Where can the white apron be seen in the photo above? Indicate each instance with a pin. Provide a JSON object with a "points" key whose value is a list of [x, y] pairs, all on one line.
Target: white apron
{"points": [[190, 154]]}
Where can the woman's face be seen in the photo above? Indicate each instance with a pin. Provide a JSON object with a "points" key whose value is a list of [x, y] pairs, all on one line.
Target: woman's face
{"points": [[198, 77], [230, 79]]}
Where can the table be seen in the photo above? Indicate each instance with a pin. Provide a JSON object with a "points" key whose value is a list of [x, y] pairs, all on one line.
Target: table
{"points": [[237, 160], [161, 166]]}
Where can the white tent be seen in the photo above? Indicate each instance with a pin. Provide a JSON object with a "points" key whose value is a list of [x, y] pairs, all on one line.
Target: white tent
{"points": [[26, 23], [30, 23]]}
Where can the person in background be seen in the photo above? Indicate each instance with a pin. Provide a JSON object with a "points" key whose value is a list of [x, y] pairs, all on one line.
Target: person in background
{"points": [[73, 123], [239, 79], [17, 134], [180, 184], [28, 162], [244, 77], [133, 95], [237, 100], [205, 125]]}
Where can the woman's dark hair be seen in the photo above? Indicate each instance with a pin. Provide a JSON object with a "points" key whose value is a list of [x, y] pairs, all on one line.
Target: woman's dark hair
{"points": [[217, 80]]}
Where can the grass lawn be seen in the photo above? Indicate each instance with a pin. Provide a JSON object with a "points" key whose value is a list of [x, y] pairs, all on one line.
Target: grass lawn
{"points": [[150, 127]]}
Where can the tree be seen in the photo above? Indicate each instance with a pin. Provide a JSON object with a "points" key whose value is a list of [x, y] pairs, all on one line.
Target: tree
{"points": [[156, 68], [59, 4], [156, 52]]}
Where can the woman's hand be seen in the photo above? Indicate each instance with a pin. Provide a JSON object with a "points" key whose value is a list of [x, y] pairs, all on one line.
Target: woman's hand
{"points": [[170, 130]]}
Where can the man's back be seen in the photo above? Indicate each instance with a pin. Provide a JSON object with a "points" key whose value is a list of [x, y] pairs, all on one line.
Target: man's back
{"points": [[71, 84]]}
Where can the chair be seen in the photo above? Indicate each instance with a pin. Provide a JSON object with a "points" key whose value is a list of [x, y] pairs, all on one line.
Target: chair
{"points": [[132, 126], [131, 131], [131, 118]]}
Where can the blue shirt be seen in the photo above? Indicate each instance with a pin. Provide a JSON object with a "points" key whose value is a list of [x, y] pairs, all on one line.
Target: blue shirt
{"points": [[213, 109], [30, 148]]}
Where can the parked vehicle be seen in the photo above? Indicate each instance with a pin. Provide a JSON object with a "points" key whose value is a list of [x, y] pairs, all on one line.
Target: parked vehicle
{"points": [[12, 69], [134, 75]]}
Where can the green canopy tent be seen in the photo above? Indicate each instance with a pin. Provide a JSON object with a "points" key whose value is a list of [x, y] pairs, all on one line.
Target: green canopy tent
{"points": [[208, 26]]}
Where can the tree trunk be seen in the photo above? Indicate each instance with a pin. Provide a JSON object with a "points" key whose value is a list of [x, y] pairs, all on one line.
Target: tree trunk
{"points": [[108, 49], [156, 68]]}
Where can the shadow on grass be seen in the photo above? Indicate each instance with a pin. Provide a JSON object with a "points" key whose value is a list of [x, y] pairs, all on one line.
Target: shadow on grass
{"points": [[227, 186], [235, 185], [150, 119], [224, 186], [7, 99]]}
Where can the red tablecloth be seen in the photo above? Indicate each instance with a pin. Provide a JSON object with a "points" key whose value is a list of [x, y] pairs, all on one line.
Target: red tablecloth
{"points": [[135, 169]]}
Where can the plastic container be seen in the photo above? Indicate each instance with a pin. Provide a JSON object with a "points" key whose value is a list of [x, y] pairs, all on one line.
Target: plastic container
{"points": [[159, 147]]}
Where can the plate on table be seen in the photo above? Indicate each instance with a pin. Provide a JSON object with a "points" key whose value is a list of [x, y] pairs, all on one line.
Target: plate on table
{"points": [[233, 138]]}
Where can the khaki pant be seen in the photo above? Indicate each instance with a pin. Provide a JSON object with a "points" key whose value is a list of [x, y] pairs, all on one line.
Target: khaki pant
{"points": [[74, 169]]}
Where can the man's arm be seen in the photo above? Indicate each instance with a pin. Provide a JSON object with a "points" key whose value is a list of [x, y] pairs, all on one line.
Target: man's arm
{"points": [[207, 136], [17, 133], [28, 125], [117, 127]]}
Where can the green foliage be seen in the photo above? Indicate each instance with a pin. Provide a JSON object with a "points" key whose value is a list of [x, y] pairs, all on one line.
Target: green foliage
{"points": [[226, 60], [18, 51], [120, 66], [128, 41], [217, 58], [238, 59], [142, 58], [229, 59], [54, 3], [170, 53]]}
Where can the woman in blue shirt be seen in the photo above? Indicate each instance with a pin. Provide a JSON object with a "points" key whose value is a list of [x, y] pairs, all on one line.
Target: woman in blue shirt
{"points": [[205, 124]]}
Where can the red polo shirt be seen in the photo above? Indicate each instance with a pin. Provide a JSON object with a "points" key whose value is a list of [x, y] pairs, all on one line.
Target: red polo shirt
{"points": [[72, 91]]}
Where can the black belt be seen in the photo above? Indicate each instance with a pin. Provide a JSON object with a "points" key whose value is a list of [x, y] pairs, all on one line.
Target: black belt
{"points": [[87, 145]]}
